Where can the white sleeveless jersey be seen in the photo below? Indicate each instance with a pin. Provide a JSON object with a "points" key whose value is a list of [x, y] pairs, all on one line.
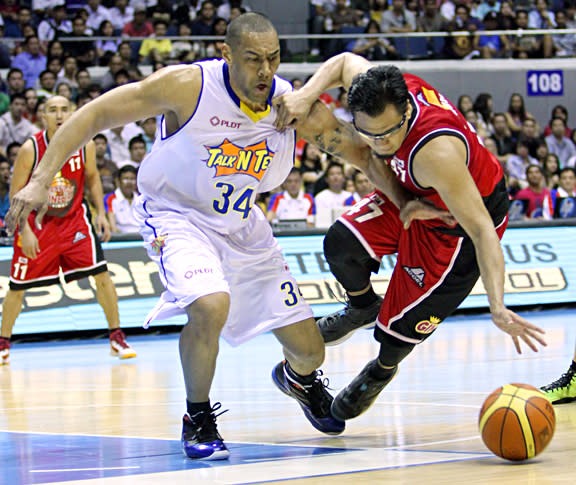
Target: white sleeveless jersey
{"points": [[212, 168]]}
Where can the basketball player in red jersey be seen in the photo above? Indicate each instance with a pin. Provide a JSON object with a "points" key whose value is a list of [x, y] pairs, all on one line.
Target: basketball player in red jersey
{"points": [[427, 151], [67, 239]]}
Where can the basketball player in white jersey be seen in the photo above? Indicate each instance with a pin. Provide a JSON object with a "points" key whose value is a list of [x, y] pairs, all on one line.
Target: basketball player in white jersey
{"points": [[221, 266]]}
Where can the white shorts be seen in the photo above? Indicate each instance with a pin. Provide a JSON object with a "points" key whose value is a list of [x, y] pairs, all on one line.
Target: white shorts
{"points": [[195, 261]]}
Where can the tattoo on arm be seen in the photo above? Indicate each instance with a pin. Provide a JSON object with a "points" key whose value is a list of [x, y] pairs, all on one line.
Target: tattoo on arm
{"points": [[332, 142]]}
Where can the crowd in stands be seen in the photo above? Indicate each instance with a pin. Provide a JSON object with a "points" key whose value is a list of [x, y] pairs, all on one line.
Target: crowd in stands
{"points": [[43, 57], [472, 17]]}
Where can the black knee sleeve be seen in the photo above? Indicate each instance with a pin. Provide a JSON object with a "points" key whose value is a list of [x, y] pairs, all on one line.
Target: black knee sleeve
{"points": [[392, 350], [349, 262]]}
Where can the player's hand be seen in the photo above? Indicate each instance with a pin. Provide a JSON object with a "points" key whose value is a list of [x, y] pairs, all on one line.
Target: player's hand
{"points": [[291, 107], [32, 196], [423, 210], [103, 227], [519, 329], [29, 243]]}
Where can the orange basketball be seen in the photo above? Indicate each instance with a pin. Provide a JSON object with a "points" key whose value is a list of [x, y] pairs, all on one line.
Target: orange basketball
{"points": [[517, 422]]}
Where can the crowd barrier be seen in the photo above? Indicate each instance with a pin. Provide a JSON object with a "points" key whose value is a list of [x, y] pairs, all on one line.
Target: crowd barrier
{"points": [[540, 269]]}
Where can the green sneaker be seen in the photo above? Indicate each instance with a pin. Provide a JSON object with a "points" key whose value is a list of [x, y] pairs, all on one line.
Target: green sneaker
{"points": [[562, 390]]}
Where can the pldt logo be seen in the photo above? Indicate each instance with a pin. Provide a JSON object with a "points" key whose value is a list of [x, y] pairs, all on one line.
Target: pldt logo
{"points": [[215, 121]]}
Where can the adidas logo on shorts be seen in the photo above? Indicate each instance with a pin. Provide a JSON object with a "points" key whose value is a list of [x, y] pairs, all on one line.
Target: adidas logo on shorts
{"points": [[79, 236], [417, 274]]}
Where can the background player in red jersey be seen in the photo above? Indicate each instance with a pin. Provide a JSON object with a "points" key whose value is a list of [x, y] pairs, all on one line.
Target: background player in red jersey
{"points": [[67, 239], [427, 150]]}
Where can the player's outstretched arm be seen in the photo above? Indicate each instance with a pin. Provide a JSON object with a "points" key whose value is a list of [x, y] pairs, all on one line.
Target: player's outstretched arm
{"points": [[172, 90], [337, 71], [441, 164]]}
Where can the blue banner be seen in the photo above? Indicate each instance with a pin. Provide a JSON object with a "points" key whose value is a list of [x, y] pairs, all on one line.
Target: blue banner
{"points": [[540, 269]]}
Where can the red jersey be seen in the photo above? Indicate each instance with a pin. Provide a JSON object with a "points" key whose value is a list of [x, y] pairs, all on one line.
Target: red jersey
{"points": [[433, 115], [67, 188]]}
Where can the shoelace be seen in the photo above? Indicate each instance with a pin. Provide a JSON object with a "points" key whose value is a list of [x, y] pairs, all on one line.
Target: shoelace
{"points": [[119, 337], [205, 422], [320, 400], [562, 381]]}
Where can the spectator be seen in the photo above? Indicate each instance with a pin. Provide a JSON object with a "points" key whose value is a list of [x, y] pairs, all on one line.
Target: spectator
{"points": [[5, 175], [486, 7], [83, 81], [55, 49], [516, 114], [12, 152], [83, 51], [344, 15], [106, 48], [377, 8], [47, 81], [501, 135], [118, 139], [530, 135], [566, 186], [149, 132], [54, 25], [525, 45], [184, 50], [96, 15], [332, 197], [483, 106], [214, 49], [398, 19], [517, 164], [204, 20], [559, 111], [559, 144], [506, 16], [137, 149], [120, 78], [564, 44], [342, 112], [4, 102], [541, 153], [125, 53], [375, 48], [54, 65], [296, 83], [430, 19], [473, 119], [9, 10], [119, 204], [461, 46], [311, 166], [535, 193], [139, 27], [13, 125], [570, 9], [69, 72], [31, 104], [16, 29], [464, 103], [293, 203], [362, 187], [163, 10], [541, 17], [31, 61], [106, 168], [492, 46], [15, 82], [63, 89], [156, 48], [551, 171], [121, 14], [114, 65]]}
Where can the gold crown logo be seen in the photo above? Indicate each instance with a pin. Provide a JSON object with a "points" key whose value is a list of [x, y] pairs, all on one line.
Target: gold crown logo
{"points": [[434, 320]]}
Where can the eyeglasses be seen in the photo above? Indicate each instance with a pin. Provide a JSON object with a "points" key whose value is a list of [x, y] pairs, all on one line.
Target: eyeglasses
{"points": [[384, 134]]}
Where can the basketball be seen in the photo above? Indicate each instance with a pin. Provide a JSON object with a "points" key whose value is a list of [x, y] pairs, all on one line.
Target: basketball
{"points": [[517, 422]]}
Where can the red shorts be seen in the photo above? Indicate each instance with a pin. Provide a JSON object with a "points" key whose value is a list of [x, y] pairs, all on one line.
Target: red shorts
{"points": [[69, 244], [436, 266]]}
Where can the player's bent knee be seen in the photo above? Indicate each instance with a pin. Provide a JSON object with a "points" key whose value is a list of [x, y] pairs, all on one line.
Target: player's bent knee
{"points": [[392, 349], [209, 311]]}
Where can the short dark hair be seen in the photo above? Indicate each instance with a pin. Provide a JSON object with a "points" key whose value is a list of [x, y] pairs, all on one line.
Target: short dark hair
{"points": [[134, 140], [534, 165], [100, 136], [126, 168], [14, 70], [373, 90], [12, 145], [331, 165], [557, 118], [247, 22], [568, 169], [16, 96], [43, 73]]}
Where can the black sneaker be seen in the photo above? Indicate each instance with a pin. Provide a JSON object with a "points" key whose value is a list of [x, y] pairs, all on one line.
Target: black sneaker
{"points": [[200, 438], [339, 326], [359, 395], [314, 399]]}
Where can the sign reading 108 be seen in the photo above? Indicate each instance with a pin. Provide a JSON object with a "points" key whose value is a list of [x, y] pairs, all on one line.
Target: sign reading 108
{"points": [[545, 83]]}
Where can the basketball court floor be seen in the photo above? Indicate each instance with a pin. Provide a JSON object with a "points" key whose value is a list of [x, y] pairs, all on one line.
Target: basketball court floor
{"points": [[70, 413]]}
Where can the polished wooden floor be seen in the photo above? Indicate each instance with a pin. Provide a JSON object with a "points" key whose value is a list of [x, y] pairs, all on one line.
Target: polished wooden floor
{"points": [[71, 413]]}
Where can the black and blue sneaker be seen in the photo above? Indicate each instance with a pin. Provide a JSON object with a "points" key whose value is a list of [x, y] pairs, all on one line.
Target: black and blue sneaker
{"points": [[200, 438], [314, 399]]}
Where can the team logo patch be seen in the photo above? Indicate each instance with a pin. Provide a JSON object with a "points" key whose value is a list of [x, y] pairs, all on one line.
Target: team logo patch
{"points": [[229, 159], [428, 326], [78, 237], [417, 274], [158, 243]]}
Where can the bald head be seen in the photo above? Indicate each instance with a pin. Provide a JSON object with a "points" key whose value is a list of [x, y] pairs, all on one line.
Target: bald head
{"points": [[250, 22], [53, 101]]}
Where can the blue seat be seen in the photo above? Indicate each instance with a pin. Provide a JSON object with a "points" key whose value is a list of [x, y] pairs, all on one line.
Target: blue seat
{"points": [[411, 47]]}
